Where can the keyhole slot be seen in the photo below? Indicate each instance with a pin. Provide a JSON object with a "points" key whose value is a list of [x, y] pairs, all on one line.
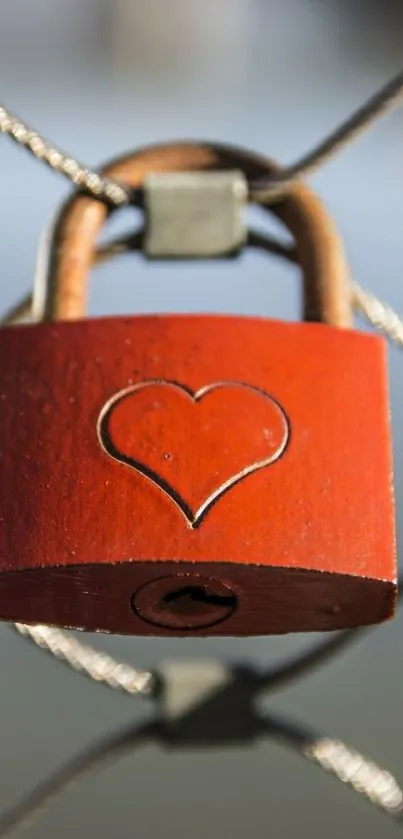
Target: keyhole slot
{"points": [[196, 599], [184, 602]]}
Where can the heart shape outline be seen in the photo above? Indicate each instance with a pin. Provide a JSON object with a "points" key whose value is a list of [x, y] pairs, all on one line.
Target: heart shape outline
{"points": [[193, 518]]}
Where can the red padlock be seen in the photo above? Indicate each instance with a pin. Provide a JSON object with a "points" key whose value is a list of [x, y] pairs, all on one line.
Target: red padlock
{"points": [[200, 474]]}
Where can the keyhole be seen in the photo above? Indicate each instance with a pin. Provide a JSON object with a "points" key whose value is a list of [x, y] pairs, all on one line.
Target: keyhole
{"points": [[196, 600], [184, 601]]}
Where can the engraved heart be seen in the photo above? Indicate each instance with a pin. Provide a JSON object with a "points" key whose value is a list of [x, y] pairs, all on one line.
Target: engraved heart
{"points": [[195, 445]]}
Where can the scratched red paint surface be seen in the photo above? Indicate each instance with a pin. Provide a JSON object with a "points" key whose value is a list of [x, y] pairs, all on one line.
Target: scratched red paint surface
{"points": [[324, 504]]}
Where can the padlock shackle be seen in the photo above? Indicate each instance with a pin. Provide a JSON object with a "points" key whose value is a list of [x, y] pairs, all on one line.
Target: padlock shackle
{"points": [[327, 295]]}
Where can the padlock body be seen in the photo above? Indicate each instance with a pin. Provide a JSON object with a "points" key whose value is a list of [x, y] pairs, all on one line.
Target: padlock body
{"points": [[146, 460]]}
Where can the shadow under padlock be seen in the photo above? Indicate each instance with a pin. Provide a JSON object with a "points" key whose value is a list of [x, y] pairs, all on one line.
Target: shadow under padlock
{"points": [[195, 474]]}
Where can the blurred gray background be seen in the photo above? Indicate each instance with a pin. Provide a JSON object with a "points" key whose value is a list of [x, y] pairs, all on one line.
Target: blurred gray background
{"points": [[103, 76]]}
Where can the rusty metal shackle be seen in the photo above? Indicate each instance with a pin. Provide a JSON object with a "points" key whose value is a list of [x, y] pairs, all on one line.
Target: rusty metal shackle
{"points": [[327, 295]]}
